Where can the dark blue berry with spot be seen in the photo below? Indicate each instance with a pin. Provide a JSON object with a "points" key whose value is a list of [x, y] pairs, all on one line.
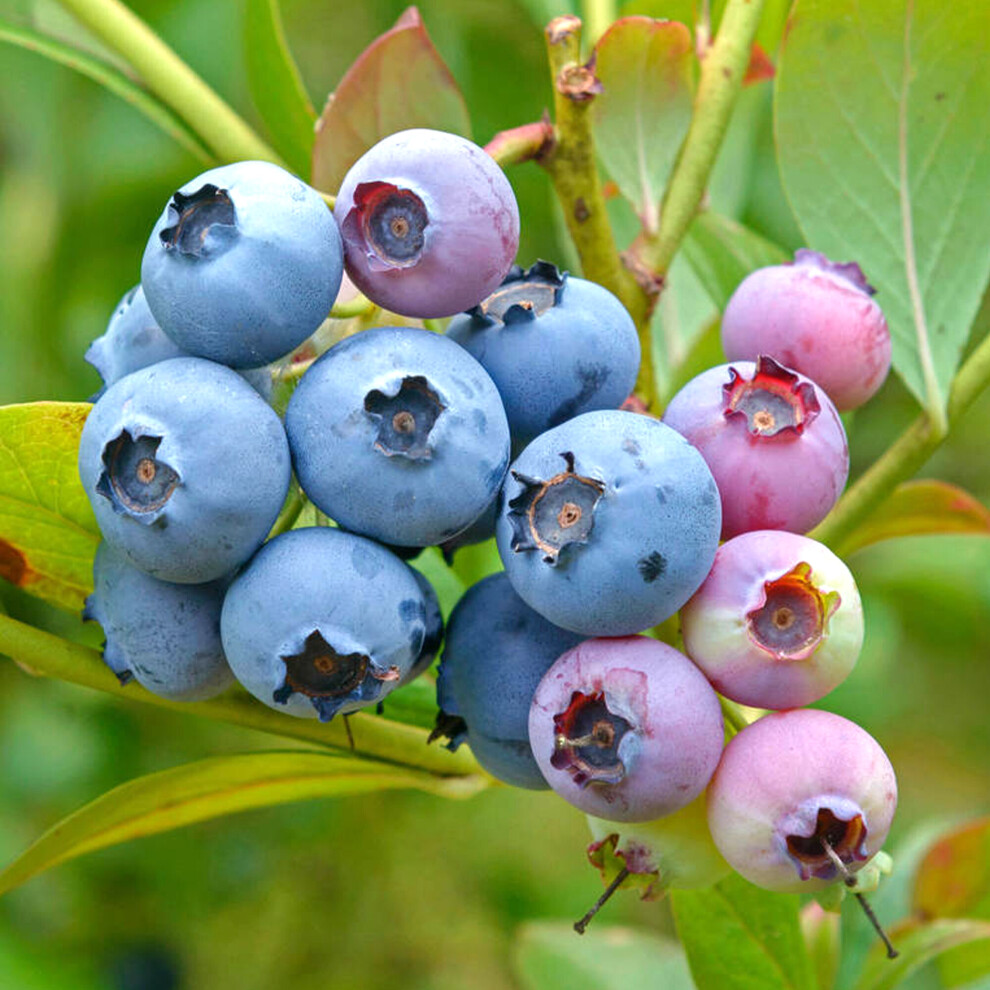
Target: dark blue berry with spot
{"points": [[497, 649], [556, 346]]}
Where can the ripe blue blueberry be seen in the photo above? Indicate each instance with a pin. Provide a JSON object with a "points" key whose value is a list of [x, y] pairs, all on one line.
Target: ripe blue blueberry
{"points": [[773, 441], [796, 791], [429, 223], [626, 729], [165, 636], [243, 264], [496, 651], [433, 636], [400, 435], [609, 523], [556, 346], [186, 467], [321, 621], [134, 340]]}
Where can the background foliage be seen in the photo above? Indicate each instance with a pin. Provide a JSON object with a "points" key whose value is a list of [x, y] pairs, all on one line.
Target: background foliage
{"points": [[390, 888]]}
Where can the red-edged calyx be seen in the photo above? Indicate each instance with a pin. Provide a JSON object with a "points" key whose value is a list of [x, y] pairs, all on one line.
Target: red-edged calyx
{"points": [[798, 793], [778, 622], [771, 438]]}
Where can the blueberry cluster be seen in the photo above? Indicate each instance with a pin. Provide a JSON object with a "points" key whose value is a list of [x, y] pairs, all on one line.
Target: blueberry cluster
{"points": [[607, 522]]}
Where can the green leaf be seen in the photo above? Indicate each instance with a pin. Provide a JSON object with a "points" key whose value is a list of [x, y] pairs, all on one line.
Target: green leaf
{"points": [[48, 533], [646, 69], [113, 79], [738, 937], [918, 508], [918, 943], [211, 788], [276, 86], [398, 81], [723, 252], [550, 955], [884, 146], [362, 733]]}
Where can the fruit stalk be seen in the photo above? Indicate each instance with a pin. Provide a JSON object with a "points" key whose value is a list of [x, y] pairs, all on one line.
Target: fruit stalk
{"points": [[722, 72], [905, 456], [572, 168], [169, 78], [374, 737]]}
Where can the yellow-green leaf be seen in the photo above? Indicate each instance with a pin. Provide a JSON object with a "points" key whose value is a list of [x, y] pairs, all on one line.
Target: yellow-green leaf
{"points": [[276, 86], [918, 508], [211, 788], [48, 533]]}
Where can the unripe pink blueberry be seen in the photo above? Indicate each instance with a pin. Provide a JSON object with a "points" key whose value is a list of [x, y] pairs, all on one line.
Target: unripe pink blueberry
{"points": [[626, 729], [772, 440], [778, 622], [792, 784], [817, 317]]}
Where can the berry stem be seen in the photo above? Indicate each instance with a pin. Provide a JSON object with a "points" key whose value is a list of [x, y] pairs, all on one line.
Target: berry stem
{"points": [[171, 80], [722, 72], [905, 456], [522, 144], [358, 306], [572, 167], [376, 738], [850, 881], [580, 926], [597, 16]]}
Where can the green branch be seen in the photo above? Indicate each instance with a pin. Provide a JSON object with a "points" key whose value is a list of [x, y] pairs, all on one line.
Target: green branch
{"points": [[171, 80], [722, 72], [374, 737], [906, 456], [114, 80]]}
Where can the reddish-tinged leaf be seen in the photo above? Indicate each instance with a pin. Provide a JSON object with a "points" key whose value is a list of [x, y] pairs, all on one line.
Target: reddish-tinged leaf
{"points": [[760, 67], [919, 508], [398, 81], [953, 880]]}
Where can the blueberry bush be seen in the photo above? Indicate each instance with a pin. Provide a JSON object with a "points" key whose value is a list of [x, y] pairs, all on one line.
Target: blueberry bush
{"points": [[569, 405]]}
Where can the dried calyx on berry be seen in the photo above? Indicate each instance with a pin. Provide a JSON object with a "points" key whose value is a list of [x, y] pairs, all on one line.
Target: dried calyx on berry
{"points": [[553, 514], [333, 676], [200, 223]]}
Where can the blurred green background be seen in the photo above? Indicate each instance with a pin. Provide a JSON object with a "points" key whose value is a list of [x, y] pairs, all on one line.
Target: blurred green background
{"points": [[393, 889]]}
